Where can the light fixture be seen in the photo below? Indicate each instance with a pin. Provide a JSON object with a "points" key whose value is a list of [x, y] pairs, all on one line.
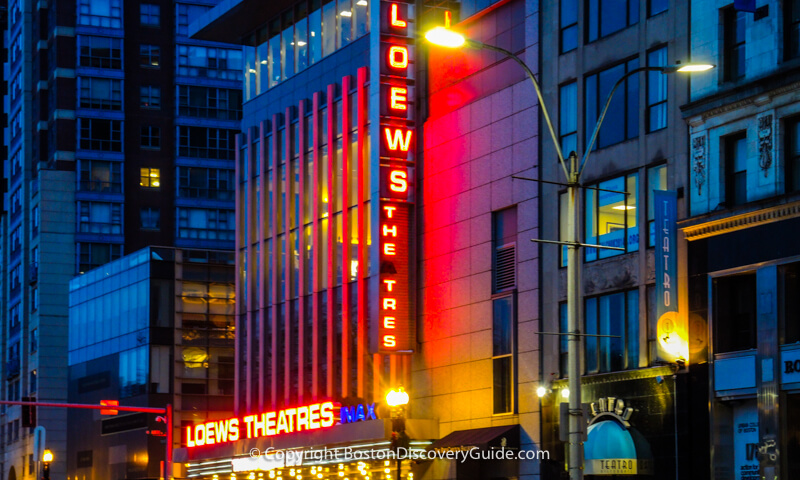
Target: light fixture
{"points": [[396, 398], [301, 43], [541, 391], [688, 68], [346, 13], [444, 37], [624, 207], [362, 3], [47, 456], [565, 393]]}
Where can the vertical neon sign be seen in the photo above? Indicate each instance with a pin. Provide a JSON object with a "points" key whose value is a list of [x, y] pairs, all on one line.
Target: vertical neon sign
{"points": [[397, 147]]}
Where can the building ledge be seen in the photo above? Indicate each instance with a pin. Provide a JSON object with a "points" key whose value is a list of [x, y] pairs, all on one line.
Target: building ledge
{"points": [[712, 225]]}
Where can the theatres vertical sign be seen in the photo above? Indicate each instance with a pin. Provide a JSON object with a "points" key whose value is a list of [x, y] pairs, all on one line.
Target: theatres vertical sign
{"points": [[397, 147]]}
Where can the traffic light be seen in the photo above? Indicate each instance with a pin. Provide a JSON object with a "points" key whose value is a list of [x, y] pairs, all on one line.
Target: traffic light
{"points": [[29, 413]]}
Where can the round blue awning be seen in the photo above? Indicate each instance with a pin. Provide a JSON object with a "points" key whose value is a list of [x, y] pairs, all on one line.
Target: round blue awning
{"points": [[613, 449]]}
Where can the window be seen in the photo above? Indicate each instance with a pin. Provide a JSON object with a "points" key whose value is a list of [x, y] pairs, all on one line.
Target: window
{"points": [[503, 354], [568, 118], [206, 224], [792, 28], [16, 240], [211, 183], [792, 157], [100, 134], [615, 314], [656, 91], [734, 43], [16, 201], [101, 93], [92, 255], [100, 13], [150, 97], [133, 368], [789, 303], [149, 15], [100, 176], [151, 137], [202, 142], [734, 320], [210, 102], [34, 299], [150, 177], [34, 340], [563, 340], [35, 219], [210, 62], [656, 180], [611, 217], [32, 385], [735, 169], [622, 119], [149, 55], [100, 217], [654, 7], [150, 218], [604, 17], [504, 240], [569, 25], [100, 52], [186, 14], [563, 225]]}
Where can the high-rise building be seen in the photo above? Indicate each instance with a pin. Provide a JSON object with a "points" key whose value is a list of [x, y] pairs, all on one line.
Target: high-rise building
{"points": [[121, 135], [634, 371], [381, 241]]}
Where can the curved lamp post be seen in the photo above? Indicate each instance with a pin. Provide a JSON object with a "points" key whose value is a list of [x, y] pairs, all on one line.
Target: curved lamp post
{"points": [[397, 400], [448, 38], [47, 457]]}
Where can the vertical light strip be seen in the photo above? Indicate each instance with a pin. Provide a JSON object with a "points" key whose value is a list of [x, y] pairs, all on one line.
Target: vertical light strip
{"points": [[331, 233], [315, 393], [249, 206], [361, 105], [345, 346], [301, 250], [238, 285], [264, 265], [275, 254], [287, 236]]}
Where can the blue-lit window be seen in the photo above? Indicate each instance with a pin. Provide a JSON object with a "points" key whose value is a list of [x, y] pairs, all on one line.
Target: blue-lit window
{"points": [[616, 315], [150, 97], [210, 183], [791, 18], [100, 176], [186, 14], [150, 218], [100, 217], [210, 102], [611, 217], [622, 118], [563, 340], [210, 62], [568, 10], [206, 224], [734, 43], [133, 372], [149, 15], [100, 52], [656, 91], [91, 255], [604, 17], [568, 118], [150, 56], [654, 7], [503, 349], [100, 93], [656, 180], [203, 142], [100, 13]]}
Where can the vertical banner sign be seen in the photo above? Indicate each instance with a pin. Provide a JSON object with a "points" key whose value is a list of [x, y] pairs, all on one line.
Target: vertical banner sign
{"points": [[745, 442], [672, 335], [397, 147]]}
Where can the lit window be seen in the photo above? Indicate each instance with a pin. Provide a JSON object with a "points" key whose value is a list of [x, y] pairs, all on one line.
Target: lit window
{"points": [[149, 55], [150, 177], [611, 217]]}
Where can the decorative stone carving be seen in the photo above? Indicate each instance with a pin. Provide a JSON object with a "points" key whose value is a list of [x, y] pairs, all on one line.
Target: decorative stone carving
{"points": [[699, 162], [611, 274], [765, 143]]}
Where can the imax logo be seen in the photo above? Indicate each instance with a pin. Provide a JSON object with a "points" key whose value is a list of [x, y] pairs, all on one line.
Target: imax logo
{"points": [[358, 413]]}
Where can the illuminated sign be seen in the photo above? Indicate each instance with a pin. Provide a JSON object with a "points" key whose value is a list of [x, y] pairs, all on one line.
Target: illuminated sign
{"points": [[287, 420], [270, 460], [397, 140], [358, 413]]}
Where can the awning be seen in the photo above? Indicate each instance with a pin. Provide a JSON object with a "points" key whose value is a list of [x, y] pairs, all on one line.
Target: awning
{"points": [[613, 449], [484, 438]]}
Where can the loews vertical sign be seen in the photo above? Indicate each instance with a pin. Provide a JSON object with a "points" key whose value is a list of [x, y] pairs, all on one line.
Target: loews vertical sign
{"points": [[397, 146]]}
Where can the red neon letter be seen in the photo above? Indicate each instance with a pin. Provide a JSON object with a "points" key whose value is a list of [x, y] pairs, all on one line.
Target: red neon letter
{"points": [[389, 210], [388, 322], [389, 230], [389, 304], [398, 56], [389, 284], [389, 341], [393, 20], [396, 140], [326, 412], [389, 249], [398, 96], [398, 181]]}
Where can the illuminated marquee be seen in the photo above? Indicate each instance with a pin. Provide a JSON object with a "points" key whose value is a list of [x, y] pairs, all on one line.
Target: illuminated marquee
{"points": [[287, 420], [397, 146]]}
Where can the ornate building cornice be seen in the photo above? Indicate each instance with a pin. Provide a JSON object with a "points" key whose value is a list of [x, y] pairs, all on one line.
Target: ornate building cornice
{"points": [[742, 221]]}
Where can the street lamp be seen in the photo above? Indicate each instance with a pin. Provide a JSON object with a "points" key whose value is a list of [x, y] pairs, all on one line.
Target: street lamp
{"points": [[447, 38], [398, 399], [47, 457]]}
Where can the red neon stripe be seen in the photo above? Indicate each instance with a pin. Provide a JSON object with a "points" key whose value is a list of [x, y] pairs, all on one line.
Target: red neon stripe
{"points": [[301, 248], [345, 122], [331, 230], [361, 105], [315, 393]]}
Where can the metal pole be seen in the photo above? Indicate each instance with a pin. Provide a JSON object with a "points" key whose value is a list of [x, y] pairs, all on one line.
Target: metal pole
{"points": [[573, 325]]}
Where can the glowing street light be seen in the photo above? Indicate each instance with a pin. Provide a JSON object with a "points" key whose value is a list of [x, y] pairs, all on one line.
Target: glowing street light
{"points": [[396, 398]]}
